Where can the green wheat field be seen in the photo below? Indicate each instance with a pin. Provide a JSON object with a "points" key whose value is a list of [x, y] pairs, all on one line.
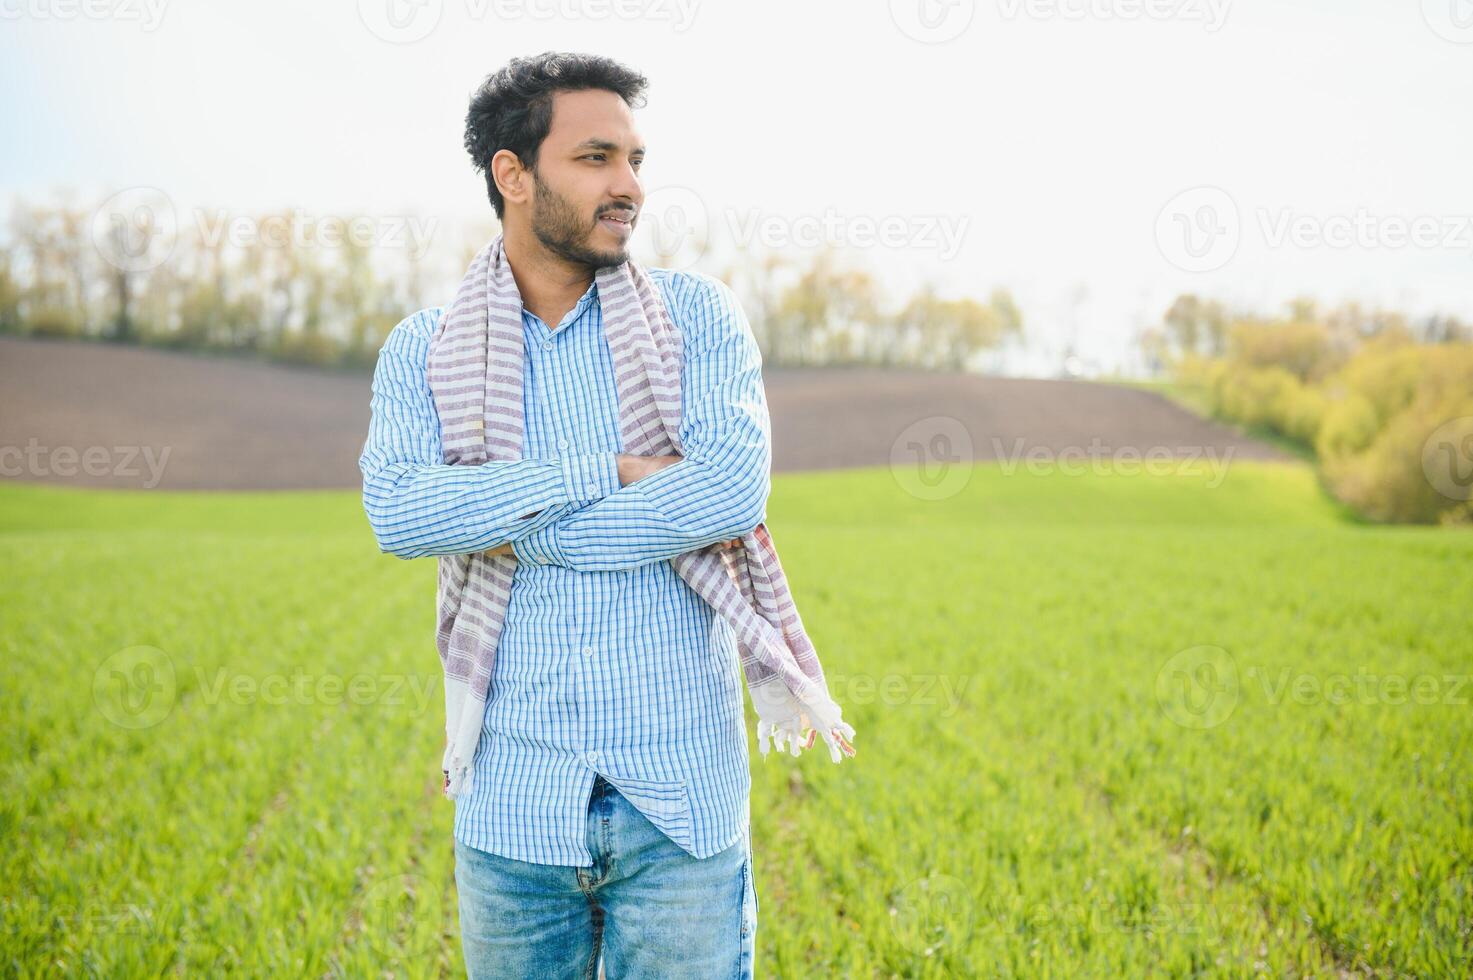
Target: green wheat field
{"points": [[1108, 726]]}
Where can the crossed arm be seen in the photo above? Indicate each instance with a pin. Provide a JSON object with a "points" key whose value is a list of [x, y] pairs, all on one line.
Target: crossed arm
{"points": [[597, 511]]}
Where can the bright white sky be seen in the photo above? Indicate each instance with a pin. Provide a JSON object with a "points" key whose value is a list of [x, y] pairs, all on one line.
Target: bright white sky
{"points": [[1047, 135]]}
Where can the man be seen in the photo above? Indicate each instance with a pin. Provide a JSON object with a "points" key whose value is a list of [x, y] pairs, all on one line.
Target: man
{"points": [[606, 814]]}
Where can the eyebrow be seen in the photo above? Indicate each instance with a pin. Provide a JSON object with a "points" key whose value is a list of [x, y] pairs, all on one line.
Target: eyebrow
{"points": [[600, 144]]}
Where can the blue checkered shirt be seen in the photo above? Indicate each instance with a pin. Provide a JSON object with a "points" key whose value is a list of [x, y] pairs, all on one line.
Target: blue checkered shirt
{"points": [[609, 662]]}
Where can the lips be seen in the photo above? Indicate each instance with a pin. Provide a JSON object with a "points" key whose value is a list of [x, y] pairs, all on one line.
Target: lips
{"points": [[619, 223]]}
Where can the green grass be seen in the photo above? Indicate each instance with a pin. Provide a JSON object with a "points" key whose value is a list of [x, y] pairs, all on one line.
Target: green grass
{"points": [[1056, 775]]}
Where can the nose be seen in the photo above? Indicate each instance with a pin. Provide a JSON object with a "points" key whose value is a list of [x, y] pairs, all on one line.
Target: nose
{"points": [[626, 189]]}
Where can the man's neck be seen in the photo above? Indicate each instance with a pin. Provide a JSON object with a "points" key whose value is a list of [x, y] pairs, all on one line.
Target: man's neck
{"points": [[550, 287]]}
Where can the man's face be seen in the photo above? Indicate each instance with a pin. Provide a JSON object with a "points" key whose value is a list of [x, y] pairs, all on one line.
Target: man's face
{"points": [[587, 189]]}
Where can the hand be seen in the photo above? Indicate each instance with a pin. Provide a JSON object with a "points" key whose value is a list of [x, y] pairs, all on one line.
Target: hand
{"points": [[793, 726], [632, 469]]}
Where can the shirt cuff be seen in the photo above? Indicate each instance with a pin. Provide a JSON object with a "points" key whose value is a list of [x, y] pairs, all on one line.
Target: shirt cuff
{"points": [[537, 548], [590, 476]]}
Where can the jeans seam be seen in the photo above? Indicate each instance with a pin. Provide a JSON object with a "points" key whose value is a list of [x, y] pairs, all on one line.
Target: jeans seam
{"points": [[595, 921], [742, 932]]}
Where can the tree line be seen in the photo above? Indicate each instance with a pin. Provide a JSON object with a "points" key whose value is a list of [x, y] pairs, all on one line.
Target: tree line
{"points": [[309, 290], [1381, 400]]}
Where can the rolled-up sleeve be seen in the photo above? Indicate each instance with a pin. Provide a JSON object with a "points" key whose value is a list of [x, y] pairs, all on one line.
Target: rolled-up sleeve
{"points": [[417, 505]]}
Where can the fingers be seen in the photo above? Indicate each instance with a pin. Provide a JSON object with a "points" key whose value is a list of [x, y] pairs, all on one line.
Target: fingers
{"points": [[787, 736], [838, 744]]}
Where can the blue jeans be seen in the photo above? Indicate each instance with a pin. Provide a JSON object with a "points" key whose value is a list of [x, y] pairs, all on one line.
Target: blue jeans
{"points": [[646, 908]]}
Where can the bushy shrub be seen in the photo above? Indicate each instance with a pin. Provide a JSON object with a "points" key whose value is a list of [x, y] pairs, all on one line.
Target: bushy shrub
{"points": [[1257, 396], [1397, 438], [1387, 375], [1301, 347], [1303, 413], [1418, 469], [1270, 398], [1391, 424], [1348, 426]]}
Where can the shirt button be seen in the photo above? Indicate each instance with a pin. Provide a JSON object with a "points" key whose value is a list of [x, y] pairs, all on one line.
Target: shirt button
{"points": [[593, 758], [547, 345], [593, 489], [588, 651], [562, 444]]}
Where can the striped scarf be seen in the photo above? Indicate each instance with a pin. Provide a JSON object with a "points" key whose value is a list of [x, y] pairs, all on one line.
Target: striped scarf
{"points": [[475, 377]]}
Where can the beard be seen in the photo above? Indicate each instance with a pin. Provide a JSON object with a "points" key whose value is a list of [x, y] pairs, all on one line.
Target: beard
{"points": [[563, 231]]}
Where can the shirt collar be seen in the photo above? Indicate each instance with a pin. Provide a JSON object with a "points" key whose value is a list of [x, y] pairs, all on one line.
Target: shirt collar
{"points": [[589, 295], [579, 308]]}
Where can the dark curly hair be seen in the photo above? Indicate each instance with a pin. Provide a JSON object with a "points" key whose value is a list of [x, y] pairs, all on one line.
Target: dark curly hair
{"points": [[512, 108]]}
